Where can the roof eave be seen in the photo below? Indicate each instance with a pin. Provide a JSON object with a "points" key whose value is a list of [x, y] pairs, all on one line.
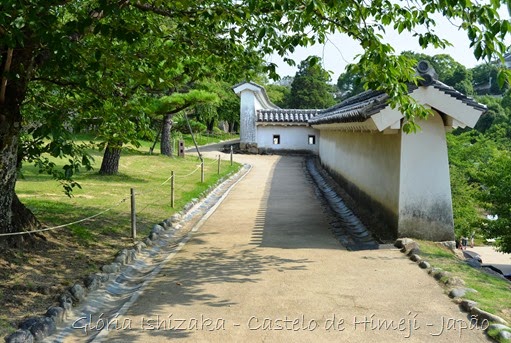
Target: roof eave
{"points": [[259, 91]]}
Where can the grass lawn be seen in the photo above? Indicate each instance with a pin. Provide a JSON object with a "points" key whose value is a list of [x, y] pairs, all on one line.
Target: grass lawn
{"points": [[33, 275], [145, 173], [493, 293]]}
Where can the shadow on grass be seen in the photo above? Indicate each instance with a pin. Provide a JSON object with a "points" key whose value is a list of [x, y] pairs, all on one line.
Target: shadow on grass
{"points": [[120, 177], [32, 175]]}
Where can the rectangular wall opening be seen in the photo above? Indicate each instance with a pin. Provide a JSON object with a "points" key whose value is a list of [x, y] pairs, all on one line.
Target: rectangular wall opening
{"points": [[276, 139], [312, 139]]}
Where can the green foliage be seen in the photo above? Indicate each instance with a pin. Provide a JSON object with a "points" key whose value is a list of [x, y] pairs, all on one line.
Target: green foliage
{"points": [[465, 206], [278, 94], [310, 87], [506, 101], [492, 292], [453, 73], [485, 78], [480, 161], [311, 21], [206, 114], [177, 102], [181, 126], [230, 112], [496, 183], [494, 114], [47, 136], [350, 83], [468, 153], [231, 36], [99, 65]]}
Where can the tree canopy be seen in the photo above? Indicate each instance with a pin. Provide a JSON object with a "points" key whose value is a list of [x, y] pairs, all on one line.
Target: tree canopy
{"points": [[479, 164], [310, 88], [350, 83]]}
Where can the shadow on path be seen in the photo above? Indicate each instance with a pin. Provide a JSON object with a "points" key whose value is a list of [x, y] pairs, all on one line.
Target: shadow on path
{"points": [[290, 215], [185, 281]]}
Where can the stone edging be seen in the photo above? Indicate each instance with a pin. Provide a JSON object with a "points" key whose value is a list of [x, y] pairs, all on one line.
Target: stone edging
{"points": [[35, 329], [495, 326]]}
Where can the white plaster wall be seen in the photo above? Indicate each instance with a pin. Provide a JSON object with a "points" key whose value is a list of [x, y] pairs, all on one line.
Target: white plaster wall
{"points": [[425, 205], [248, 117], [291, 137], [370, 161]]}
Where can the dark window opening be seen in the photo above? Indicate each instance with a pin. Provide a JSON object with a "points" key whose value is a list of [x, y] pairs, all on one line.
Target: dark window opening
{"points": [[312, 139], [276, 139]]}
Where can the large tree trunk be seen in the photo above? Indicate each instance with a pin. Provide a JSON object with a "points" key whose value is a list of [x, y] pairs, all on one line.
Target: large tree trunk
{"points": [[22, 217], [165, 144], [8, 160], [23, 220], [111, 157], [12, 93]]}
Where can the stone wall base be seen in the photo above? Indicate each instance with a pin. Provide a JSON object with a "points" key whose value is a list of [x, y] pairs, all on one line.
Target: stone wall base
{"points": [[249, 148]]}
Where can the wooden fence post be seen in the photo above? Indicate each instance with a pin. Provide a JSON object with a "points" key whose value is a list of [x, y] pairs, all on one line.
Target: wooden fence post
{"points": [[218, 171], [231, 155], [133, 215], [172, 189]]}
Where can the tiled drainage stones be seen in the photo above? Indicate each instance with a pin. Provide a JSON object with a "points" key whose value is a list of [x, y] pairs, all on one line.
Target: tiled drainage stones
{"points": [[346, 227]]}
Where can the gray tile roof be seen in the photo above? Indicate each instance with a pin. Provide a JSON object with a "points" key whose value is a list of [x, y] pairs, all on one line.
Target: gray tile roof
{"points": [[355, 109], [286, 115], [460, 96], [362, 106]]}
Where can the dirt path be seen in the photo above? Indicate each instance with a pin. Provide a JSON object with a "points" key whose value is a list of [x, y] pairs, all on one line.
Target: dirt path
{"points": [[491, 256], [264, 267]]}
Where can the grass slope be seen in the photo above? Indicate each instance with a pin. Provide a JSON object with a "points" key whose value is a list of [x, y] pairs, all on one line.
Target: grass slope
{"points": [[32, 276], [492, 292]]}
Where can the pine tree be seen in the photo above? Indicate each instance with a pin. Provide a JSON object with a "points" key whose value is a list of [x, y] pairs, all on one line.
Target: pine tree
{"points": [[310, 88]]}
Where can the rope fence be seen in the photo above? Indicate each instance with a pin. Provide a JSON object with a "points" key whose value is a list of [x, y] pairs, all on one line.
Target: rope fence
{"points": [[171, 193], [189, 174], [66, 225]]}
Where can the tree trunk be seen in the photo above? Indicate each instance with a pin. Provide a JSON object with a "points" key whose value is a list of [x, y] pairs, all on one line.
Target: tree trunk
{"points": [[165, 146], [12, 94], [151, 149], [111, 157], [8, 161], [211, 125], [23, 220]]}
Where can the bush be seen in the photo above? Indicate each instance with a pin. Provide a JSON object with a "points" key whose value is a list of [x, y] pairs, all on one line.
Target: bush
{"points": [[217, 131], [181, 126]]}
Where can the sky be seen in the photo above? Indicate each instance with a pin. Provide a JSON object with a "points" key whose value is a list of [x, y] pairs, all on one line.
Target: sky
{"points": [[341, 50]]}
